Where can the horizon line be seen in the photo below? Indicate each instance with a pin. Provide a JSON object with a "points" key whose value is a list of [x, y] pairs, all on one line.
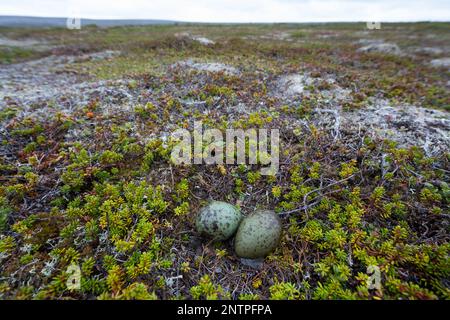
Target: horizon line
{"points": [[226, 22]]}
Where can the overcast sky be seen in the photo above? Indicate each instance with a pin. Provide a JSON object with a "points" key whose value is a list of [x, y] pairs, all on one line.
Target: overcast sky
{"points": [[236, 10]]}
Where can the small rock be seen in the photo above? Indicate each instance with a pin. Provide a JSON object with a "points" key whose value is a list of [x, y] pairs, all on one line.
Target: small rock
{"points": [[253, 263]]}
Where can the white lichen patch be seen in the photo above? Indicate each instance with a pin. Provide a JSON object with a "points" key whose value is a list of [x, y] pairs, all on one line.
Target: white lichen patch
{"points": [[428, 50], [294, 84], [200, 39], [18, 43], [42, 88], [406, 124], [299, 85], [441, 63], [215, 67], [281, 36], [381, 47], [27, 43], [43, 78], [367, 41], [204, 41]]}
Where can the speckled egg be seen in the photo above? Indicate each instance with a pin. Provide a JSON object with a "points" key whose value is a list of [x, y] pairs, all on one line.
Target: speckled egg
{"points": [[258, 234], [218, 220]]}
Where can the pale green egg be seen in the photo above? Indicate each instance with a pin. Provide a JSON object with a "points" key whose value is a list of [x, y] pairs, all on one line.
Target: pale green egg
{"points": [[218, 220], [258, 235]]}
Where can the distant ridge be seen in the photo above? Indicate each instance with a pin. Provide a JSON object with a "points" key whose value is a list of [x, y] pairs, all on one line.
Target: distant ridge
{"points": [[43, 22]]}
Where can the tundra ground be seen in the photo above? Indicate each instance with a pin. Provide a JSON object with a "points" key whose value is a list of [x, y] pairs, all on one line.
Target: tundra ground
{"points": [[86, 177]]}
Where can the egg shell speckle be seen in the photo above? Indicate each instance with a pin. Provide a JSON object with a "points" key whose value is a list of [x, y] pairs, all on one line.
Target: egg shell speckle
{"points": [[258, 234], [218, 220]]}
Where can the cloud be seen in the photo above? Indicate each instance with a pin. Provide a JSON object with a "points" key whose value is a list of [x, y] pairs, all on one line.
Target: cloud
{"points": [[237, 10]]}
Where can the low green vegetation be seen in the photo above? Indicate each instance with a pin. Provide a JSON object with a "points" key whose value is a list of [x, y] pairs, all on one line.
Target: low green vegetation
{"points": [[13, 54]]}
